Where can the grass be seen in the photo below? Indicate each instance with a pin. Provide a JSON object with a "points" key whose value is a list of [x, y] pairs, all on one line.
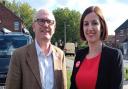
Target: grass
{"points": [[126, 73], [68, 77]]}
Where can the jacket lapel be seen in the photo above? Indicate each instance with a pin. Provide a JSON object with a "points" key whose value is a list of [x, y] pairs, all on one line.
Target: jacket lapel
{"points": [[33, 62], [56, 59], [57, 68]]}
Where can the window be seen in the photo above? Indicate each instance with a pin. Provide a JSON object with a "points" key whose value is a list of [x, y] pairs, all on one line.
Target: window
{"points": [[16, 25], [127, 32], [121, 33]]}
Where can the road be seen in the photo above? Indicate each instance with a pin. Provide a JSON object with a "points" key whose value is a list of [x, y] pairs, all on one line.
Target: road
{"points": [[125, 85], [69, 62]]}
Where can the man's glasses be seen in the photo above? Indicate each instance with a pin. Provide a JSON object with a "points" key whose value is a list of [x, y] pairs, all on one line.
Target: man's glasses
{"points": [[43, 21]]}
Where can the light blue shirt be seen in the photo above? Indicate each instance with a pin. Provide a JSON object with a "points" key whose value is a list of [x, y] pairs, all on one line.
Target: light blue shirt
{"points": [[45, 67]]}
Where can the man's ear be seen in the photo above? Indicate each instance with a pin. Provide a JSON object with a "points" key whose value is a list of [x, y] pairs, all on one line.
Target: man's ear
{"points": [[33, 26], [55, 26]]}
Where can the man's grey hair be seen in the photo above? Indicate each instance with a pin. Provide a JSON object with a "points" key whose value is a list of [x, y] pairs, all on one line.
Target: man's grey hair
{"points": [[44, 11]]}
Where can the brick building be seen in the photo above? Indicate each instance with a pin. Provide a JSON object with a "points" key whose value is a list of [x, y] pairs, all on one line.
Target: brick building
{"points": [[8, 20], [121, 33], [121, 38]]}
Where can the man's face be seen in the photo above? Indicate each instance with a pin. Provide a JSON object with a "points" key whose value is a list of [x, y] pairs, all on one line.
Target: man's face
{"points": [[44, 26]]}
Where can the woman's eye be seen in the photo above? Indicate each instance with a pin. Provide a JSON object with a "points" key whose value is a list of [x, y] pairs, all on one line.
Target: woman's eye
{"points": [[95, 23], [85, 24]]}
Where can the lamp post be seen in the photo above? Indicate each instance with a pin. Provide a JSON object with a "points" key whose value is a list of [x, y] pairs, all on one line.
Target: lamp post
{"points": [[65, 28]]}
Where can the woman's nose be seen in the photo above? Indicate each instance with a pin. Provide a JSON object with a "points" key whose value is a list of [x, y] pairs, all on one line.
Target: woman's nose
{"points": [[90, 27]]}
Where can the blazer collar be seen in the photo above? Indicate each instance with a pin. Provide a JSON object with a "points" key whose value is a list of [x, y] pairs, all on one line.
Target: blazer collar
{"points": [[57, 62]]}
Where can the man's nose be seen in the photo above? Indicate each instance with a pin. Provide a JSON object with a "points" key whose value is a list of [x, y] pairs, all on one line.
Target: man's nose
{"points": [[46, 24]]}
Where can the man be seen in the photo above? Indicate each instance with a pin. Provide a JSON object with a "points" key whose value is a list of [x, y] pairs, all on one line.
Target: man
{"points": [[39, 65]]}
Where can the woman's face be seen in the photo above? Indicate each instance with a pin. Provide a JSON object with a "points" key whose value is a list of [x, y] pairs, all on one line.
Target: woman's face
{"points": [[91, 27]]}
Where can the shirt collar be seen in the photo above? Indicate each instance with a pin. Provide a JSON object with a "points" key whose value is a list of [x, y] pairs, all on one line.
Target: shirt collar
{"points": [[39, 50]]}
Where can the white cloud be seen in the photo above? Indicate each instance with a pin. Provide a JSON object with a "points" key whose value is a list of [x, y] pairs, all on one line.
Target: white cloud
{"points": [[115, 14]]}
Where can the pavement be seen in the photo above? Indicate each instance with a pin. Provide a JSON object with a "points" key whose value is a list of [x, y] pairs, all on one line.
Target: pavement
{"points": [[70, 62], [125, 87]]}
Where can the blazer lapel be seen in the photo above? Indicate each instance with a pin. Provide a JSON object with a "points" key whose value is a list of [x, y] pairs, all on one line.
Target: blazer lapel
{"points": [[57, 68], [33, 62], [56, 60]]}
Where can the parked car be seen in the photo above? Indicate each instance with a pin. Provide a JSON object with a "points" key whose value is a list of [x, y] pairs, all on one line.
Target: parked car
{"points": [[69, 48], [8, 43]]}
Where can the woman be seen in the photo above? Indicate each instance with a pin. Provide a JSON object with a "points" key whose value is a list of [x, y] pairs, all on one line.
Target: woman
{"points": [[97, 66]]}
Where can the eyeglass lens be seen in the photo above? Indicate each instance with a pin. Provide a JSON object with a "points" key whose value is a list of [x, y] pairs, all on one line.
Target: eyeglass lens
{"points": [[42, 21]]}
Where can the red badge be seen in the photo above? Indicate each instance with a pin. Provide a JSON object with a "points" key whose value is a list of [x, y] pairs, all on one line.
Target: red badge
{"points": [[77, 64]]}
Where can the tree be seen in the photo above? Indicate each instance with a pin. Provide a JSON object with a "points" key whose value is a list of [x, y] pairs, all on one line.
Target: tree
{"points": [[13, 6], [27, 13], [71, 18]]}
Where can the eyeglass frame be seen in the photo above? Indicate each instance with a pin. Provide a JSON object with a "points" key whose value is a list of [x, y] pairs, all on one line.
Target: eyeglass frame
{"points": [[42, 21]]}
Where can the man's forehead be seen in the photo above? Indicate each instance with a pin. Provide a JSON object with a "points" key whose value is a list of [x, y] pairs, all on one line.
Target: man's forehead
{"points": [[43, 13]]}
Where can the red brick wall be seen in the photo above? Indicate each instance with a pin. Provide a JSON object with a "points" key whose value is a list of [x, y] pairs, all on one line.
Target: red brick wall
{"points": [[8, 18]]}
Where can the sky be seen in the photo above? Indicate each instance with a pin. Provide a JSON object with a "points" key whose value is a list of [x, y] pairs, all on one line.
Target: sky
{"points": [[114, 11]]}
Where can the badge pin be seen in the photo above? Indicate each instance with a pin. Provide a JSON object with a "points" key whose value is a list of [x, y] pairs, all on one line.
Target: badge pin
{"points": [[77, 64]]}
